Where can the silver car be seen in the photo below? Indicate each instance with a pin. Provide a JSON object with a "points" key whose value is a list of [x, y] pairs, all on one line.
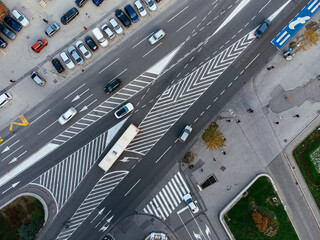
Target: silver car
{"points": [[83, 49], [66, 59], [116, 26], [66, 117], [157, 37], [75, 55], [150, 4]]}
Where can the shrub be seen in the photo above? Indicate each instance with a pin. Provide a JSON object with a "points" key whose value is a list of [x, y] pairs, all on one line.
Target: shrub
{"points": [[188, 158]]}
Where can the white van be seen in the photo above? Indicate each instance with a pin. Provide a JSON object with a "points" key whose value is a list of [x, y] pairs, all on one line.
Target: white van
{"points": [[4, 99], [99, 36]]}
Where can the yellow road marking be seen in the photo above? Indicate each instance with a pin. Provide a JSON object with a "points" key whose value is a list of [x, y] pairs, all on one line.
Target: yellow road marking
{"points": [[24, 122], [3, 53], [1, 139]]}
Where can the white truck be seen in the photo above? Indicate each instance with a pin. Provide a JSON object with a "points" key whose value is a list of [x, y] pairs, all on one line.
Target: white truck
{"points": [[119, 147]]}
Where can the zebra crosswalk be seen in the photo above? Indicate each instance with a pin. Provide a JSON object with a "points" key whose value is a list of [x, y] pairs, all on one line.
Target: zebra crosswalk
{"points": [[170, 196]]}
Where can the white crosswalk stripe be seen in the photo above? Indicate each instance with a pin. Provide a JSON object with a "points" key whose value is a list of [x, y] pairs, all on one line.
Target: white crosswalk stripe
{"points": [[170, 196]]}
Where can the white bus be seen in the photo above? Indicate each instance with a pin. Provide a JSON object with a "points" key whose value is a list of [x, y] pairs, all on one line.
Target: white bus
{"points": [[119, 147]]}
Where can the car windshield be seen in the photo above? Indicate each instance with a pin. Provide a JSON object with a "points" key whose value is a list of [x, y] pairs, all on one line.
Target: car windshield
{"points": [[189, 200], [121, 111], [20, 18], [40, 42], [67, 60]]}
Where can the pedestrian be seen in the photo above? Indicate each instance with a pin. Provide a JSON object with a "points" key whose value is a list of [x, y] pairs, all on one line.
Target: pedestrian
{"points": [[85, 28], [214, 159], [45, 20], [238, 121], [12, 81], [228, 120], [276, 122], [250, 110], [297, 116], [223, 152], [201, 170]]}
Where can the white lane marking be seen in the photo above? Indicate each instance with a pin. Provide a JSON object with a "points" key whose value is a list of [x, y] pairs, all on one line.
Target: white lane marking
{"points": [[195, 120], [230, 84], [201, 114], [152, 49], [264, 6], [252, 61], [178, 14], [28, 163], [84, 100], [132, 187], [12, 153], [186, 24], [109, 65], [163, 154], [215, 99], [143, 39], [119, 74], [74, 91], [253, 18], [208, 107], [46, 128], [236, 78], [241, 72], [39, 117]]}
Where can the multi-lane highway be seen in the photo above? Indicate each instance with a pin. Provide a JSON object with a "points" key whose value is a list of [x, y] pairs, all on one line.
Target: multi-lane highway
{"points": [[208, 53]]}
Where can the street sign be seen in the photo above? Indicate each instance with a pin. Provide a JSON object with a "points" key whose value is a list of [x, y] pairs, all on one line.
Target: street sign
{"points": [[296, 24]]}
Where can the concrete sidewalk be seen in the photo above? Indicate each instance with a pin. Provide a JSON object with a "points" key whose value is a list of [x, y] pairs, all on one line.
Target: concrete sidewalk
{"points": [[255, 145]]}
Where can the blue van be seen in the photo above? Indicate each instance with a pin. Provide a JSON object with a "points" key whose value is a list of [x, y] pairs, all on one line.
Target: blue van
{"points": [[13, 23]]}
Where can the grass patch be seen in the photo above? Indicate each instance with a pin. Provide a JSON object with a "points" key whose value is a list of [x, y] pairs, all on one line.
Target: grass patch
{"points": [[24, 211], [313, 138], [259, 200]]}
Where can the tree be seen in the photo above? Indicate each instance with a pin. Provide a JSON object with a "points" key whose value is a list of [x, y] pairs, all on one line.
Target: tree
{"points": [[213, 138], [310, 37], [29, 231]]}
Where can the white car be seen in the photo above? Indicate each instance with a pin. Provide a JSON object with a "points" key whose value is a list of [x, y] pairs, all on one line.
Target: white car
{"points": [[108, 31], [66, 117], [20, 18], [124, 110], [157, 37], [150, 4], [142, 11], [67, 60], [116, 26], [188, 199], [83, 49]]}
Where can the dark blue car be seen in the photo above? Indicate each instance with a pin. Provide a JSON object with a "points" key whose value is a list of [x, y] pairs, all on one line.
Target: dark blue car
{"points": [[97, 2], [3, 43], [13, 23], [6, 31], [132, 14]]}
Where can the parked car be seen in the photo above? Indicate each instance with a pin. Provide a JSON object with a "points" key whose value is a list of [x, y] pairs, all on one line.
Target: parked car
{"points": [[185, 133], [6, 31], [116, 26], [68, 16], [20, 18], [108, 31], [123, 18], [83, 49], [124, 110], [52, 29], [66, 117], [39, 45], [262, 28], [99, 36], [13, 23], [131, 13], [4, 99], [158, 0], [157, 37], [75, 55], [35, 77], [67, 60], [150, 4], [3, 43], [188, 199], [80, 3], [92, 45], [112, 85], [97, 2], [141, 10], [57, 65]]}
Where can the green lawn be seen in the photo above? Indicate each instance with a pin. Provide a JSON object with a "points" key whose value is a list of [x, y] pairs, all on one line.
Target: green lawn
{"points": [[259, 195], [307, 149]]}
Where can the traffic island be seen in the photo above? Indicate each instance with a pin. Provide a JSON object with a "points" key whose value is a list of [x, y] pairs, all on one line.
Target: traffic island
{"points": [[257, 213]]}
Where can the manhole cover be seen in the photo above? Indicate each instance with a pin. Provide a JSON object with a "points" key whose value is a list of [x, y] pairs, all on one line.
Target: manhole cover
{"points": [[55, 81]]}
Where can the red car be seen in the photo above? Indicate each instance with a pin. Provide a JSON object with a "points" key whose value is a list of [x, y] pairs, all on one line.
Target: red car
{"points": [[41, 43]]}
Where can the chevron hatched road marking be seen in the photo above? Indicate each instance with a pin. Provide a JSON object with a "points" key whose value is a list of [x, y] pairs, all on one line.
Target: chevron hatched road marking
{"points": [[170, 196], [175, 101], [100, 191]]}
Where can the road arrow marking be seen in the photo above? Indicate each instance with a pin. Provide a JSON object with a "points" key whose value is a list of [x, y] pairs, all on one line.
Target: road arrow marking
{"points": [[76, 98], [13, 160], [103, 228], [12, 186], [24, 122], [6, 149], [109, 220], [99, 213], [84, 108]]}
